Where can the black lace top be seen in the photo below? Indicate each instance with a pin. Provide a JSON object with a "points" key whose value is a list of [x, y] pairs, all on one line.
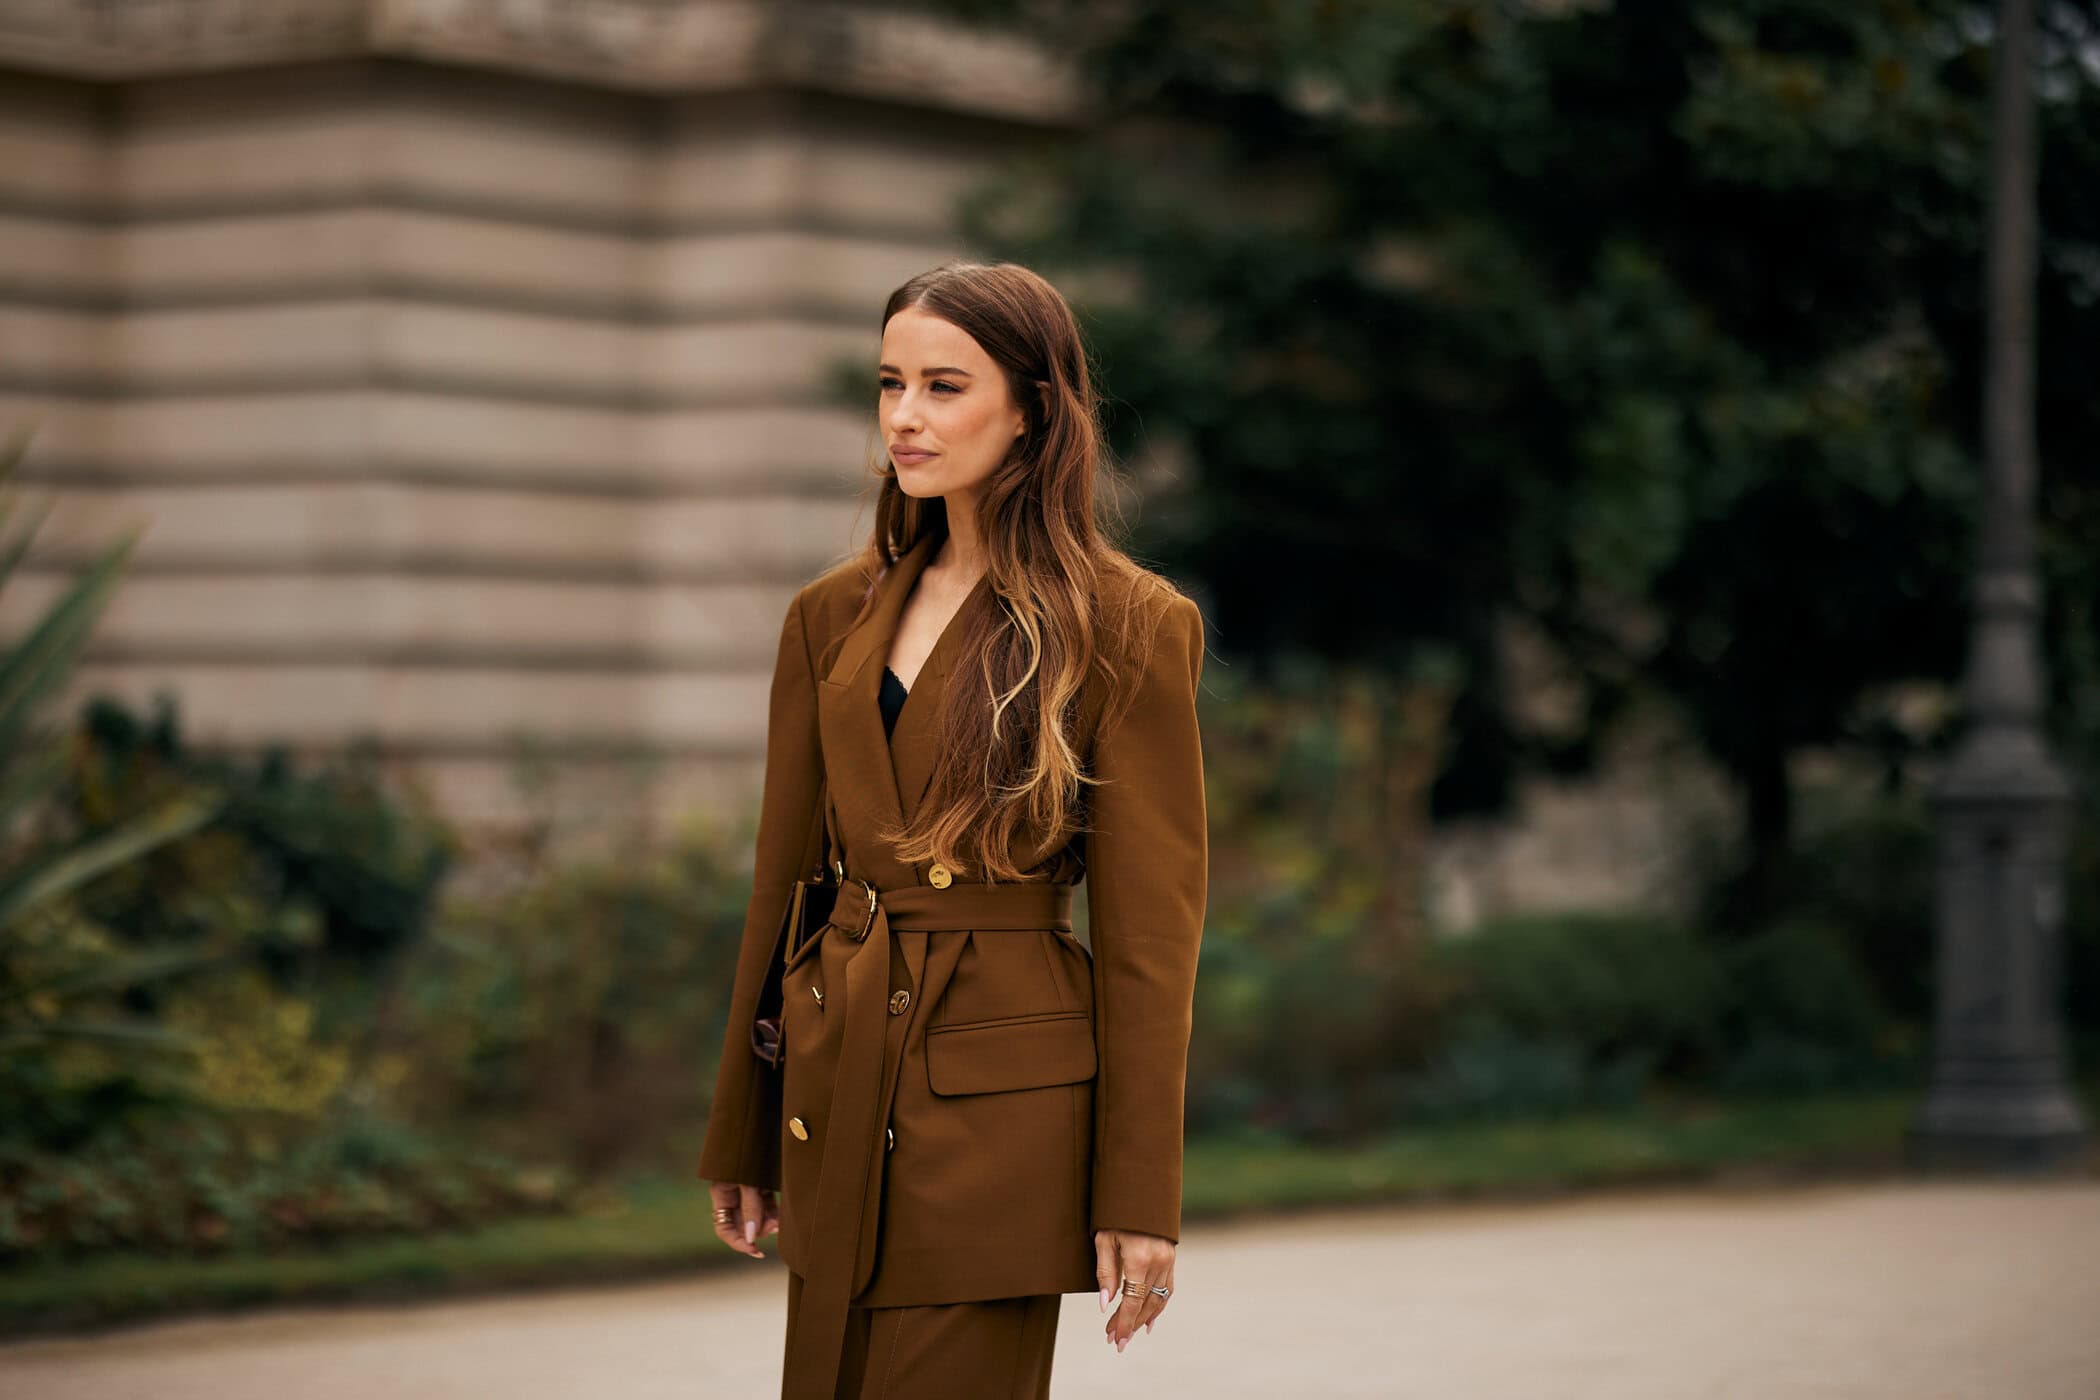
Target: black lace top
{"points": [[893, 693]]}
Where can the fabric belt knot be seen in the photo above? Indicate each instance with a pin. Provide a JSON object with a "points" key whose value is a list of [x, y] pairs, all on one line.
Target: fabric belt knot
{"points": [[849, 1173]]}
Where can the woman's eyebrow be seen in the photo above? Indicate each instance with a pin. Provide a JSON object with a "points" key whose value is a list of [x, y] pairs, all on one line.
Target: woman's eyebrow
{"points": [[928, 373]]}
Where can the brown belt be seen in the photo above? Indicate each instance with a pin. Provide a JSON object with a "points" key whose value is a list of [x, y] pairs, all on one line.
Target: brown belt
{"points": [[849, 1176]]}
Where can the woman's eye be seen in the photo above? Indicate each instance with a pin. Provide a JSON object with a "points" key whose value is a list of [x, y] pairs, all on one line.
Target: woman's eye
{"points": [[885, 382], [943, 384]]}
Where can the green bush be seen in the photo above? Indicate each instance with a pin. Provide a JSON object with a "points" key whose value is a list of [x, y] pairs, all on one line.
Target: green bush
{"points": [[1552, 1014], [1295, 1034], [187, 1183], [169, 1076], [348, 859], [580, 1017], [1862, 866], [1314, 1003], [230, 964], [78, 1044], [1484, 1069], [1801, 1014], [1861, 873], [1602, 984]]}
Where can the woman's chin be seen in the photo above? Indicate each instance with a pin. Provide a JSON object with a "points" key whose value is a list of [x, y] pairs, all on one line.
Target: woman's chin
{"points": [[919, 484]]}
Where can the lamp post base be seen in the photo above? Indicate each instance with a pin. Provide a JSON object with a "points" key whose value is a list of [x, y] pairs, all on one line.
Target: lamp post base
{"points": [[2012, 1115], [2061, 1152]]}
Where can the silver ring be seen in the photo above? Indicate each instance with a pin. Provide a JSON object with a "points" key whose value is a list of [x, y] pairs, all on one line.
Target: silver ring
{"points": [[1162, 1292]]}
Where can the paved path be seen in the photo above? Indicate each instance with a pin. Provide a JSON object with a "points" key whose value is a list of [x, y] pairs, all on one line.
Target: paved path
{"points": [[1911, 1291]]}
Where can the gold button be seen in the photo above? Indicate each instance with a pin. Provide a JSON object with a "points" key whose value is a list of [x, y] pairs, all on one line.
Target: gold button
{"points": [[939, 877], [898, 1001], [818, 995], [795, 1127]]}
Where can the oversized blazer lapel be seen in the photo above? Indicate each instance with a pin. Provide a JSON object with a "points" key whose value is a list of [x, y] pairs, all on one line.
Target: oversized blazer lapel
{"points": [[915, 746], [878, 780]]}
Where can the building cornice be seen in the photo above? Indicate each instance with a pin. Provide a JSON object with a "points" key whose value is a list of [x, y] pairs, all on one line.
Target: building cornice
{"points": [[668, 47]]}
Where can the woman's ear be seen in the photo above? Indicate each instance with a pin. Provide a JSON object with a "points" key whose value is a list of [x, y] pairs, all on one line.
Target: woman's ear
{"points": [[1042, 399]]}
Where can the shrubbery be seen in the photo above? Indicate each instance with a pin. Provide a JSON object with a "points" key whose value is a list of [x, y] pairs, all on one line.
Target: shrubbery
{"points": [[221, 1089], [200, 1182], [1541, 1014], [338, 862], [1305, 1024], [579, 1018]]}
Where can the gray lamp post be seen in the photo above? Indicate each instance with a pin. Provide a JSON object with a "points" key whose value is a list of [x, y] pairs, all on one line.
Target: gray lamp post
{"points": [[1999, 1095]]}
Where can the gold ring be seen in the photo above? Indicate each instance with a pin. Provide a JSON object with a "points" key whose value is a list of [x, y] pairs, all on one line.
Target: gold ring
{"points": [[1133, 1288], [724, 1214]]}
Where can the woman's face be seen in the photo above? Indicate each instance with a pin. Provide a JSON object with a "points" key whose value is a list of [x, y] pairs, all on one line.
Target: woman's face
{"points": [[947, 417]]}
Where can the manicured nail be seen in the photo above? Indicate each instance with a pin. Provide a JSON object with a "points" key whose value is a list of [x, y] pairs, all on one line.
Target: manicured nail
{"points": [[1121, 1342], [1104, 1299], [750, 1232]]}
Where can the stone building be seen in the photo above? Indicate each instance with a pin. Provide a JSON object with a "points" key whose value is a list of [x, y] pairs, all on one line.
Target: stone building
{"points": [[470, 365]]}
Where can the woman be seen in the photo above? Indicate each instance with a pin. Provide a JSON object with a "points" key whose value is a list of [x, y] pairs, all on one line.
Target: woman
{"points": [[976, 1112]]}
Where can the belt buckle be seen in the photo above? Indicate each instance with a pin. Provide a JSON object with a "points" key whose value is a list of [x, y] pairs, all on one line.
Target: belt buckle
{"points": [[867, 923]]}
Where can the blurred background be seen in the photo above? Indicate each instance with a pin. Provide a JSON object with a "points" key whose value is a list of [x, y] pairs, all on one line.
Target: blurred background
{"points": [[1570, 415]]}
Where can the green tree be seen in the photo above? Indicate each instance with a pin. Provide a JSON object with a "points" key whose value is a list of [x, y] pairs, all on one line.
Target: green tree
{"points": [[1654, 326]]}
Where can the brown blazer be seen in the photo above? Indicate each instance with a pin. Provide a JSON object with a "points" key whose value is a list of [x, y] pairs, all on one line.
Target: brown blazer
{"points": [[1029, 1092]]}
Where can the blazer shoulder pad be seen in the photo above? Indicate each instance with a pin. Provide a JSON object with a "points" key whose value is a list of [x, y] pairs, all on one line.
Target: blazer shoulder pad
{"points": [[1148, 630], [1142, 609], [832, 599]]}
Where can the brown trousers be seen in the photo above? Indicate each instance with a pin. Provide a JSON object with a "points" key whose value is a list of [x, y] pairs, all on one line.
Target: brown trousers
{"points": [[998, 1349]]}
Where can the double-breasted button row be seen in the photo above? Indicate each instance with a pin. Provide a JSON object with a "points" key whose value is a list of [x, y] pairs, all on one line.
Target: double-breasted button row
{"points": [[898, 1000], [801, 1131]]}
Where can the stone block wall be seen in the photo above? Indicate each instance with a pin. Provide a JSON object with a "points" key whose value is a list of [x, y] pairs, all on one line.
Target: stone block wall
{"points": [[461, 396]]}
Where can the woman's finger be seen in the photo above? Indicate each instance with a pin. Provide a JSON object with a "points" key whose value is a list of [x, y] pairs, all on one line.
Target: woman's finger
{"points": [[1147, 1260], [1125, 1321], [727, 1196], [1154, 1304], [723, 1228], [1106, 1269], [753, 1211]]}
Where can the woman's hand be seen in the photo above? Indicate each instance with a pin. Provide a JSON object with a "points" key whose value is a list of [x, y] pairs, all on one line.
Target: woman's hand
{"points": [[1121, 1254], [753, 1214]]}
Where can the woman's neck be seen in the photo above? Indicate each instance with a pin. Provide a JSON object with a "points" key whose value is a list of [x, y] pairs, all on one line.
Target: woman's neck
{"points": [[961, 553]]}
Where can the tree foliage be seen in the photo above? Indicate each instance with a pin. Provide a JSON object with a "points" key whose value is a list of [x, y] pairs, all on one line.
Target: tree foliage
{"points": [[1656, 327]]}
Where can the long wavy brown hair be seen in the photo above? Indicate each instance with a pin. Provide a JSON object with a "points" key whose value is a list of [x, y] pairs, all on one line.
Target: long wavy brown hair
{"points": [[1010, 756]]}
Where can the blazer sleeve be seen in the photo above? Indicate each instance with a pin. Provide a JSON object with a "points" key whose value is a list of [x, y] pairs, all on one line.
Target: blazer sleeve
{"points": [[743, 1126], [1147, 874]]}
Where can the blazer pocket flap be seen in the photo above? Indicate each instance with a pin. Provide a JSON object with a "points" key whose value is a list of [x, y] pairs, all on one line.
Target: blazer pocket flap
{"points": [[1027, 1052]]}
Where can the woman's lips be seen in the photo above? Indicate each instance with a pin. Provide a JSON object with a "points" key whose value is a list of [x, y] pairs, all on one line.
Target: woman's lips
{"points": [[911, 456]]}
